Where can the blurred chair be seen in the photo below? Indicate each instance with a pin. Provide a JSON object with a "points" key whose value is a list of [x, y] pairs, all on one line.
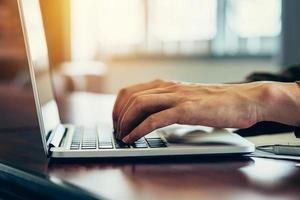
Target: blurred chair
{"points": [[80, 76]]}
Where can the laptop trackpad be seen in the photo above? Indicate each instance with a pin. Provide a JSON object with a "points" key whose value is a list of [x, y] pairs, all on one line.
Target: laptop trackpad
{"points": [[199, 135]]}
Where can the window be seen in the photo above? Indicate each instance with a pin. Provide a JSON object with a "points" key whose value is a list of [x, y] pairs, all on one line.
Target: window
{"points": [[109, 28], [248, 27]]}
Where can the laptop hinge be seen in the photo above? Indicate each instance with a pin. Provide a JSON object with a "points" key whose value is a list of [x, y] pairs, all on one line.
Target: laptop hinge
{"points": [[56, 136]]}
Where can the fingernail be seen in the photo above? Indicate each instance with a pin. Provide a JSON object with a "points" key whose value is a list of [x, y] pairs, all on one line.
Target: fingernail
{"points": [[125, 139]]}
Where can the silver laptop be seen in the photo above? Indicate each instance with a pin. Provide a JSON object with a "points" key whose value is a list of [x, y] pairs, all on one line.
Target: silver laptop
{"points": [[71, 141]]}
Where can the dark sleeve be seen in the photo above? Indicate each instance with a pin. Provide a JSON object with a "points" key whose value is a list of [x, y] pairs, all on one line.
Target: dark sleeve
{"points": [[290, 74]]}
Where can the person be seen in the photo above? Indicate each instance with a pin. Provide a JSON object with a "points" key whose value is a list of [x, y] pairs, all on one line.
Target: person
{"points": [[144, 107]]}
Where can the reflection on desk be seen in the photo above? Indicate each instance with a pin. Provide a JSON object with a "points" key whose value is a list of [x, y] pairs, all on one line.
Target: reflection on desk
{"points": [[186, 179]]}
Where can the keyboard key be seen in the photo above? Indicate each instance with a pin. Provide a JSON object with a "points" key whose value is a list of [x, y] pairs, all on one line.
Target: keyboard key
{"points": [[89, 142], [105, 145], [154, 140], [105, 138], [74, 147], [121, 145], [156, 143], [88, 147], [160, 145], [89, 139], [75, 143], [141, 143]]}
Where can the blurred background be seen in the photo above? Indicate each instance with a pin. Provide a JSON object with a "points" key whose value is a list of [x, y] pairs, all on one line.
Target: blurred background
{"points": [[104, 45]]}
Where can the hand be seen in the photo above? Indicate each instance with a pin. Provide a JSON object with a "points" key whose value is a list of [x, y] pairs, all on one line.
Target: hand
{"points": [[126, 93], [142, 108]]}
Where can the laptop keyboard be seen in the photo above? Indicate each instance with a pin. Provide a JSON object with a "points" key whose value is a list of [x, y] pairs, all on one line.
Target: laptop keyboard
{"points": [[87, 139]]}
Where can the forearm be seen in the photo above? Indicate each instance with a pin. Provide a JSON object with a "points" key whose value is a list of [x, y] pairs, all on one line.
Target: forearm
{"points": [[282, 103]]}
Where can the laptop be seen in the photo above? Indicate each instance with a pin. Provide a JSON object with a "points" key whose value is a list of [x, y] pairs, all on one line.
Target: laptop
{"points": [[72, 141]]}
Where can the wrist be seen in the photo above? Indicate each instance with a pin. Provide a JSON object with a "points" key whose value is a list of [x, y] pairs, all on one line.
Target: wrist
{"points": [[281, 102]]}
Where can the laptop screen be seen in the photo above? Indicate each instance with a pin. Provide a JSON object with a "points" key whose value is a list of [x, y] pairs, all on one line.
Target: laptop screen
{"points": [[37, 53]]}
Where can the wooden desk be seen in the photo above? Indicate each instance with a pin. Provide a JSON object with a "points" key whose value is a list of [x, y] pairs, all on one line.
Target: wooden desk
{"points": [[177, 178]]}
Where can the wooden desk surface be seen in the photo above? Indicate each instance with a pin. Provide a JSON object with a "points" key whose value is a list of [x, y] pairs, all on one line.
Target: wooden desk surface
{"points": [[164, 178]]}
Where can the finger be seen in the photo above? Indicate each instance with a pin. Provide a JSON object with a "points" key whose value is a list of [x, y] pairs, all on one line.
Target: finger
{"points": [[133, 99], [155, 121], [142, 107], [126, 93]]}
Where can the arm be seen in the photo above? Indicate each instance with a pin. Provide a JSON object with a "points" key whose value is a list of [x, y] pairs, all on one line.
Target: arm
{"points": [[142, 108]]}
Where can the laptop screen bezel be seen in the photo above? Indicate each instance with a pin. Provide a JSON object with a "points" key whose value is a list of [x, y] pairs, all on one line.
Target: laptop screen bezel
{"points": [[53, 104]]}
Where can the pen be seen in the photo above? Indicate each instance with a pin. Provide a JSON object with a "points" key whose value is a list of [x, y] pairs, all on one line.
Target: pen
{"points": [[281, 149], [286, 150]]}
